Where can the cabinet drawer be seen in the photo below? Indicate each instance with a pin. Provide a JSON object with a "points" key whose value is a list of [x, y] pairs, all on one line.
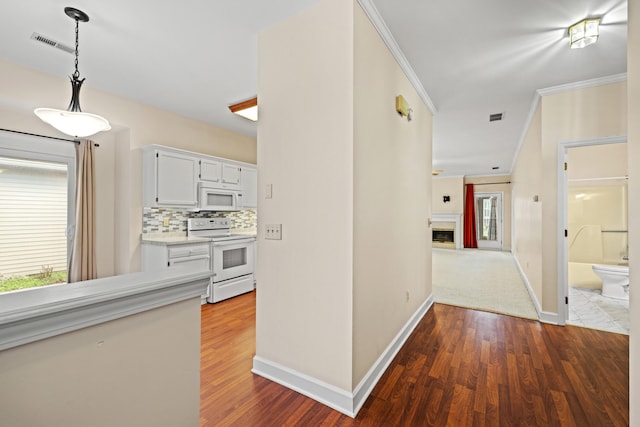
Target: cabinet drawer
{"points": [[181, 251]]}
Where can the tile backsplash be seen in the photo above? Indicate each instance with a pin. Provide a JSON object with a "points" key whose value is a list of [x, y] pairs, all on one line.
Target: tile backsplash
{"points": [[153, 218]]}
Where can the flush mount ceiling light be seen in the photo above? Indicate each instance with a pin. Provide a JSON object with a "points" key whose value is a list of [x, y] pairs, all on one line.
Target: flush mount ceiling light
{"points": [[584, 33], [73, 121], [247, 109]]}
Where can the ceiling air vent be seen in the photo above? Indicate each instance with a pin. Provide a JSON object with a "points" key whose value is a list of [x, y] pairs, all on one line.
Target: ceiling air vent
{"points": [[51, 42], [495, 117]]}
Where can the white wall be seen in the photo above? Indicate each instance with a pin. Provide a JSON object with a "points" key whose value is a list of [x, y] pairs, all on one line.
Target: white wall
{"points": [[392, 200], [141, 370], [305, 150], [526, 179], [351, 188], [633, 100]]}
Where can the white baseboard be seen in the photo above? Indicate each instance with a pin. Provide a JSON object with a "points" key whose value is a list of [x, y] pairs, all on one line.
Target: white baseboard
{"points": [[349, 403], [543, 316], [366, 385]]}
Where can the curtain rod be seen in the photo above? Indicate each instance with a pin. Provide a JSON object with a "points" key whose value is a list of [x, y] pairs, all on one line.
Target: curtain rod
{"points": [[75, 141], [490, 183]]}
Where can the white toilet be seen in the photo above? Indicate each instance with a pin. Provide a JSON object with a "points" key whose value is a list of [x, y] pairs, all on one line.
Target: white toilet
{"points": [[615, 280]]}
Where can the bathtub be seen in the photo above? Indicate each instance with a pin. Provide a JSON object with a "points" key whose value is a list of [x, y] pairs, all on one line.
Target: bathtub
{"points": [[581, 275]]}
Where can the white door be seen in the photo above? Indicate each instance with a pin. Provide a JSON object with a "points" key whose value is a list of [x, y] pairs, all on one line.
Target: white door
{"points": [[489, 220]]}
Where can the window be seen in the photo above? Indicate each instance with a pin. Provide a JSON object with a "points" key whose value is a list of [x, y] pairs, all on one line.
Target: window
{"points": [[36, 210]]}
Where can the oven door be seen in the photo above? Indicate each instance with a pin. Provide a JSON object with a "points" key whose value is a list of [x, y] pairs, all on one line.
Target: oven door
{"points": [[233, 258], [213, 199]]}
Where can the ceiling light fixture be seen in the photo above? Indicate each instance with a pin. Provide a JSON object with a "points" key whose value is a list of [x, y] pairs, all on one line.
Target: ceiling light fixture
{"points": [[584, 33], [247, 109], [73, 121]]}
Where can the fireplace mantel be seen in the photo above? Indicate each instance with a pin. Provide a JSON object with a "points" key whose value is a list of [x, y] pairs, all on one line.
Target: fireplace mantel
{"points": [[455, 218]]}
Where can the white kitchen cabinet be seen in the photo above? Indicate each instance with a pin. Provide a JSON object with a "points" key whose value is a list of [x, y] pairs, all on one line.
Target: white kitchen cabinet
{"points": [[231, 176], [210, 170], [169, 178], [163, 254], [249, 191]]}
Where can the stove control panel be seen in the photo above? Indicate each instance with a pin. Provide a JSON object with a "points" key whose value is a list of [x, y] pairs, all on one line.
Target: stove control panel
{"points": [[208, 223]]}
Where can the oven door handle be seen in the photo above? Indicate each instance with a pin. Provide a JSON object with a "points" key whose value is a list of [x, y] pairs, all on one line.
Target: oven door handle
{"points": [[233, 242]]}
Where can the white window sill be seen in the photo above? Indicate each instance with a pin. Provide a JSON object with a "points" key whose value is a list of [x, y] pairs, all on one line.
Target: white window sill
{"points": [[35, 314]]}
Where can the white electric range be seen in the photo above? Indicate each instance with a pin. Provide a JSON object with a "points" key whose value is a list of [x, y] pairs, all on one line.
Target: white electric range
{"points": [[232, 257]]}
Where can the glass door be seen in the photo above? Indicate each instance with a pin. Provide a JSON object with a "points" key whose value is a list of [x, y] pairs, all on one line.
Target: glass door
{"points": [[489, 220]]}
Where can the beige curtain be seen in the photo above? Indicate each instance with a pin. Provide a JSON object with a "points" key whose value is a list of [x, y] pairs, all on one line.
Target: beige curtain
{"points": [[82, 263]]}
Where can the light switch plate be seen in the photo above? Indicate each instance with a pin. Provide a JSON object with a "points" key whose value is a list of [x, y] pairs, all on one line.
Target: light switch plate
{"points": [[269, 191], [165, 222], [273, 232]]}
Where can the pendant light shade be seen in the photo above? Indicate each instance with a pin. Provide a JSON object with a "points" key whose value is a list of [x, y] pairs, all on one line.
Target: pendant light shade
{"points": [[73, 121]]}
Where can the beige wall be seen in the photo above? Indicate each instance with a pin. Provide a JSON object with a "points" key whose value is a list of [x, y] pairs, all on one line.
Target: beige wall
{"points": [[526, 179], [305, 150], [588, 113], [355, 241], [134, 125], [633, 100], [452, 187], [142, 370], [391, 248], [505, 189], [596, 161]]}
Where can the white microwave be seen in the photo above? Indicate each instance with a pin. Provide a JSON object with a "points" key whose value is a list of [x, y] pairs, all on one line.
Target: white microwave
{"points": [[216, 199]]}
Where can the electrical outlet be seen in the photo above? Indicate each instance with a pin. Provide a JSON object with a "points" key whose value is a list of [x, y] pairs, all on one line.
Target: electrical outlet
{"points": [[273, 232], [165, 222]]}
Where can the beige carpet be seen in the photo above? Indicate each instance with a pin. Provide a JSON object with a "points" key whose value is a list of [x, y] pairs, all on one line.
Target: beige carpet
{"points": [[483, 280]]}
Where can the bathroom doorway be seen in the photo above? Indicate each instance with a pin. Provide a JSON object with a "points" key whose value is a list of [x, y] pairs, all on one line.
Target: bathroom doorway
{"points": [[595, 219]]}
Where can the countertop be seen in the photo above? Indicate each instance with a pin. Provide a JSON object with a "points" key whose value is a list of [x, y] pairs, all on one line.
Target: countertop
{"points": [[179, 238]]}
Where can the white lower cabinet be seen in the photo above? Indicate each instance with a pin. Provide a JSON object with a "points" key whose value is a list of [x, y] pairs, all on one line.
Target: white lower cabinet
{"points": [[158, 255]]}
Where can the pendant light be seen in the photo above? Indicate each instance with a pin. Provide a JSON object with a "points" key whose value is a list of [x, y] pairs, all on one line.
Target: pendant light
{"points": [[73, 121]]}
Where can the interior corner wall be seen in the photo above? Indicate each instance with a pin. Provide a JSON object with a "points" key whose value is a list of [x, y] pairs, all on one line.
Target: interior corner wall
{"points": [[452, 187], [581, 114], [505, 189], [134, 124], [633, 146], [305, 152], [526, 182], [392, 198]]}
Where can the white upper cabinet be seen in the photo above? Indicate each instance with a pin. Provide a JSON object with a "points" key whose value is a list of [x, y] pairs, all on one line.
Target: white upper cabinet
{"points": [[231, 177], [210, 170], [169, 179], [249, 188]]}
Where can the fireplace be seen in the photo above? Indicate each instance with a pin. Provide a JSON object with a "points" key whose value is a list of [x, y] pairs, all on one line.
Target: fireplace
{"points": [[447, 231], [443, 236]]}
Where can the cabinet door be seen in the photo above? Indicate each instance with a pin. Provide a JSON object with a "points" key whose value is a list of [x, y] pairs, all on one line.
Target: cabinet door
{"points": [[249, 188], [230, 174], [176, 179], [210, 170]]}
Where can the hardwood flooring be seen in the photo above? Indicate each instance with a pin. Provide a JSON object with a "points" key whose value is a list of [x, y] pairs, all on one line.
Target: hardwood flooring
{"points": [[459, 367]]}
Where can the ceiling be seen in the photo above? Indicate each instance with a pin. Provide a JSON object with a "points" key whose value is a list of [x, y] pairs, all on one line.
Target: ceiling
{"points": [[196, 57]]}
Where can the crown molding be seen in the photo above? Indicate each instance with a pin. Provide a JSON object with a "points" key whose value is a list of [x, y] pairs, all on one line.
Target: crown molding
{"points": [[379, 24], [616, 78]]}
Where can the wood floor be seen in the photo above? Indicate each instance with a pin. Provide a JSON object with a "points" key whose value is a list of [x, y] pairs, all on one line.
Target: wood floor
{"points": [[460, 367]]}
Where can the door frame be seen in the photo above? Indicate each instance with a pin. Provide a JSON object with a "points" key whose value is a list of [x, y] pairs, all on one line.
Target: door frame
{"points": [[500, 217], [563, 218]]}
